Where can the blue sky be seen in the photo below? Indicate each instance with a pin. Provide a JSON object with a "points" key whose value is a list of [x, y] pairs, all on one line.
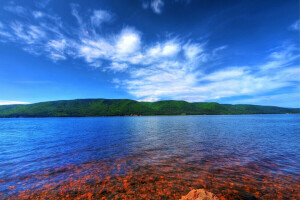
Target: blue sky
{"points": [[195, 50]]}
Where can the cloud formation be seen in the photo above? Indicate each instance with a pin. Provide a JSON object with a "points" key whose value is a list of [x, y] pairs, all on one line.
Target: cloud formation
{"points": [[117, 67], [157, 6], [5, 102], [185, 80], [295, 26], [169, 68], [100, 16]]}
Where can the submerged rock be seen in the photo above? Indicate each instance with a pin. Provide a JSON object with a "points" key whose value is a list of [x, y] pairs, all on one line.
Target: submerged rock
{"points": [[199, 194]]}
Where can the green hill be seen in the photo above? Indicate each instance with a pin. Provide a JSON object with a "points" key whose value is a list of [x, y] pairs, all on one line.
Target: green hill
{"points": [[123, 107]]}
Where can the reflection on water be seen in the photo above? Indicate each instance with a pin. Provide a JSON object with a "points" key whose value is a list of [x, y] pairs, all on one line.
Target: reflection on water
{"points": [[235, 157]]}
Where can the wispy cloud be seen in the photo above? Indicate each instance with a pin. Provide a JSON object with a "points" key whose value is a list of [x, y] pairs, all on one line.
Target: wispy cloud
{"points": [[4, 33], [5, 102], [227, 74], [117, 67], [150, 99], [15, 9], [37, 14], [29, 34], [157, 6], [295, 26], [56, 49], [43, 34], [182, 80], [281, 58], [100, 16], [169, 68], [74, 10], [43, 3]]}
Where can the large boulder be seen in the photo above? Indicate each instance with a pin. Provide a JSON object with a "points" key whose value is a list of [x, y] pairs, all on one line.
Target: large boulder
{"points": [[199, 194]]}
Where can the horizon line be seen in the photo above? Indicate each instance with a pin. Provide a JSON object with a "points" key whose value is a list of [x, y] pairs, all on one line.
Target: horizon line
{"points": [[9, 103]]}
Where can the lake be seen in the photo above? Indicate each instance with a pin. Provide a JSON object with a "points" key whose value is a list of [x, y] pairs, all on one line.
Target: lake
{"points": [[150, 157]]}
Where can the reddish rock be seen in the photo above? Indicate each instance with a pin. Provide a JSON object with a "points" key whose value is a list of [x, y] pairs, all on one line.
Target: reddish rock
{"points": [[199, 194]]}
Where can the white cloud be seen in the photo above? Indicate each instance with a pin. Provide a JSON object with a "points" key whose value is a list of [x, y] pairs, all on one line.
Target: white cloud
{"points": [[95, 20], [37, 14], [161, 80], [116, 80], [154, 51], [15, 9], [90, 53], [46, 37], [118, 67], [50, 36], [56, 49], [182, 80], [229, 73], [128, 42], [75, 13], [292, 73], [58, 45], [281, 58], [216, 50], [99, 16], [191, 51], [36, 32], [4, 33], [18, 30], [295, 26], [157, 6], [166, 69], [5, 102], [163, 49], [149, 99], [170, 49], [27, 34], [94, 49], [123, 47]]}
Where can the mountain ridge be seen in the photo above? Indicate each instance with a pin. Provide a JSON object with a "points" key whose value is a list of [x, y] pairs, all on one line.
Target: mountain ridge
{"points": [[127, 107]]}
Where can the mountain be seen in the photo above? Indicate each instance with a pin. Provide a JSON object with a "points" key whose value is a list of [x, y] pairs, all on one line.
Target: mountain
{"points": [[123, 107]]}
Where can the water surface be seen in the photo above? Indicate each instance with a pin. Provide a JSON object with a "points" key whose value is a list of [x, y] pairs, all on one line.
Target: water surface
{"points": [[155, 157]]}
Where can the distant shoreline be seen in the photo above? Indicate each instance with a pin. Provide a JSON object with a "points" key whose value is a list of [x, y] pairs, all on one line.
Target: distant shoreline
{"points": [[127, 107], [147, 115]]}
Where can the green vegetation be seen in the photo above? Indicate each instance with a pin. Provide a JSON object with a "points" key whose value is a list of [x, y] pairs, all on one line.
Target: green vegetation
{"points": [[123, 107]]}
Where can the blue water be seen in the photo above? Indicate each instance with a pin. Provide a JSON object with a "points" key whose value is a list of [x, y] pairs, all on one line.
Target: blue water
{"points": [[33, 145]]}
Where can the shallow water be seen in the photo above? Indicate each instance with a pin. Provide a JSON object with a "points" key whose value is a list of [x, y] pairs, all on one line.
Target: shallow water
{"points": [[155, 157]]}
